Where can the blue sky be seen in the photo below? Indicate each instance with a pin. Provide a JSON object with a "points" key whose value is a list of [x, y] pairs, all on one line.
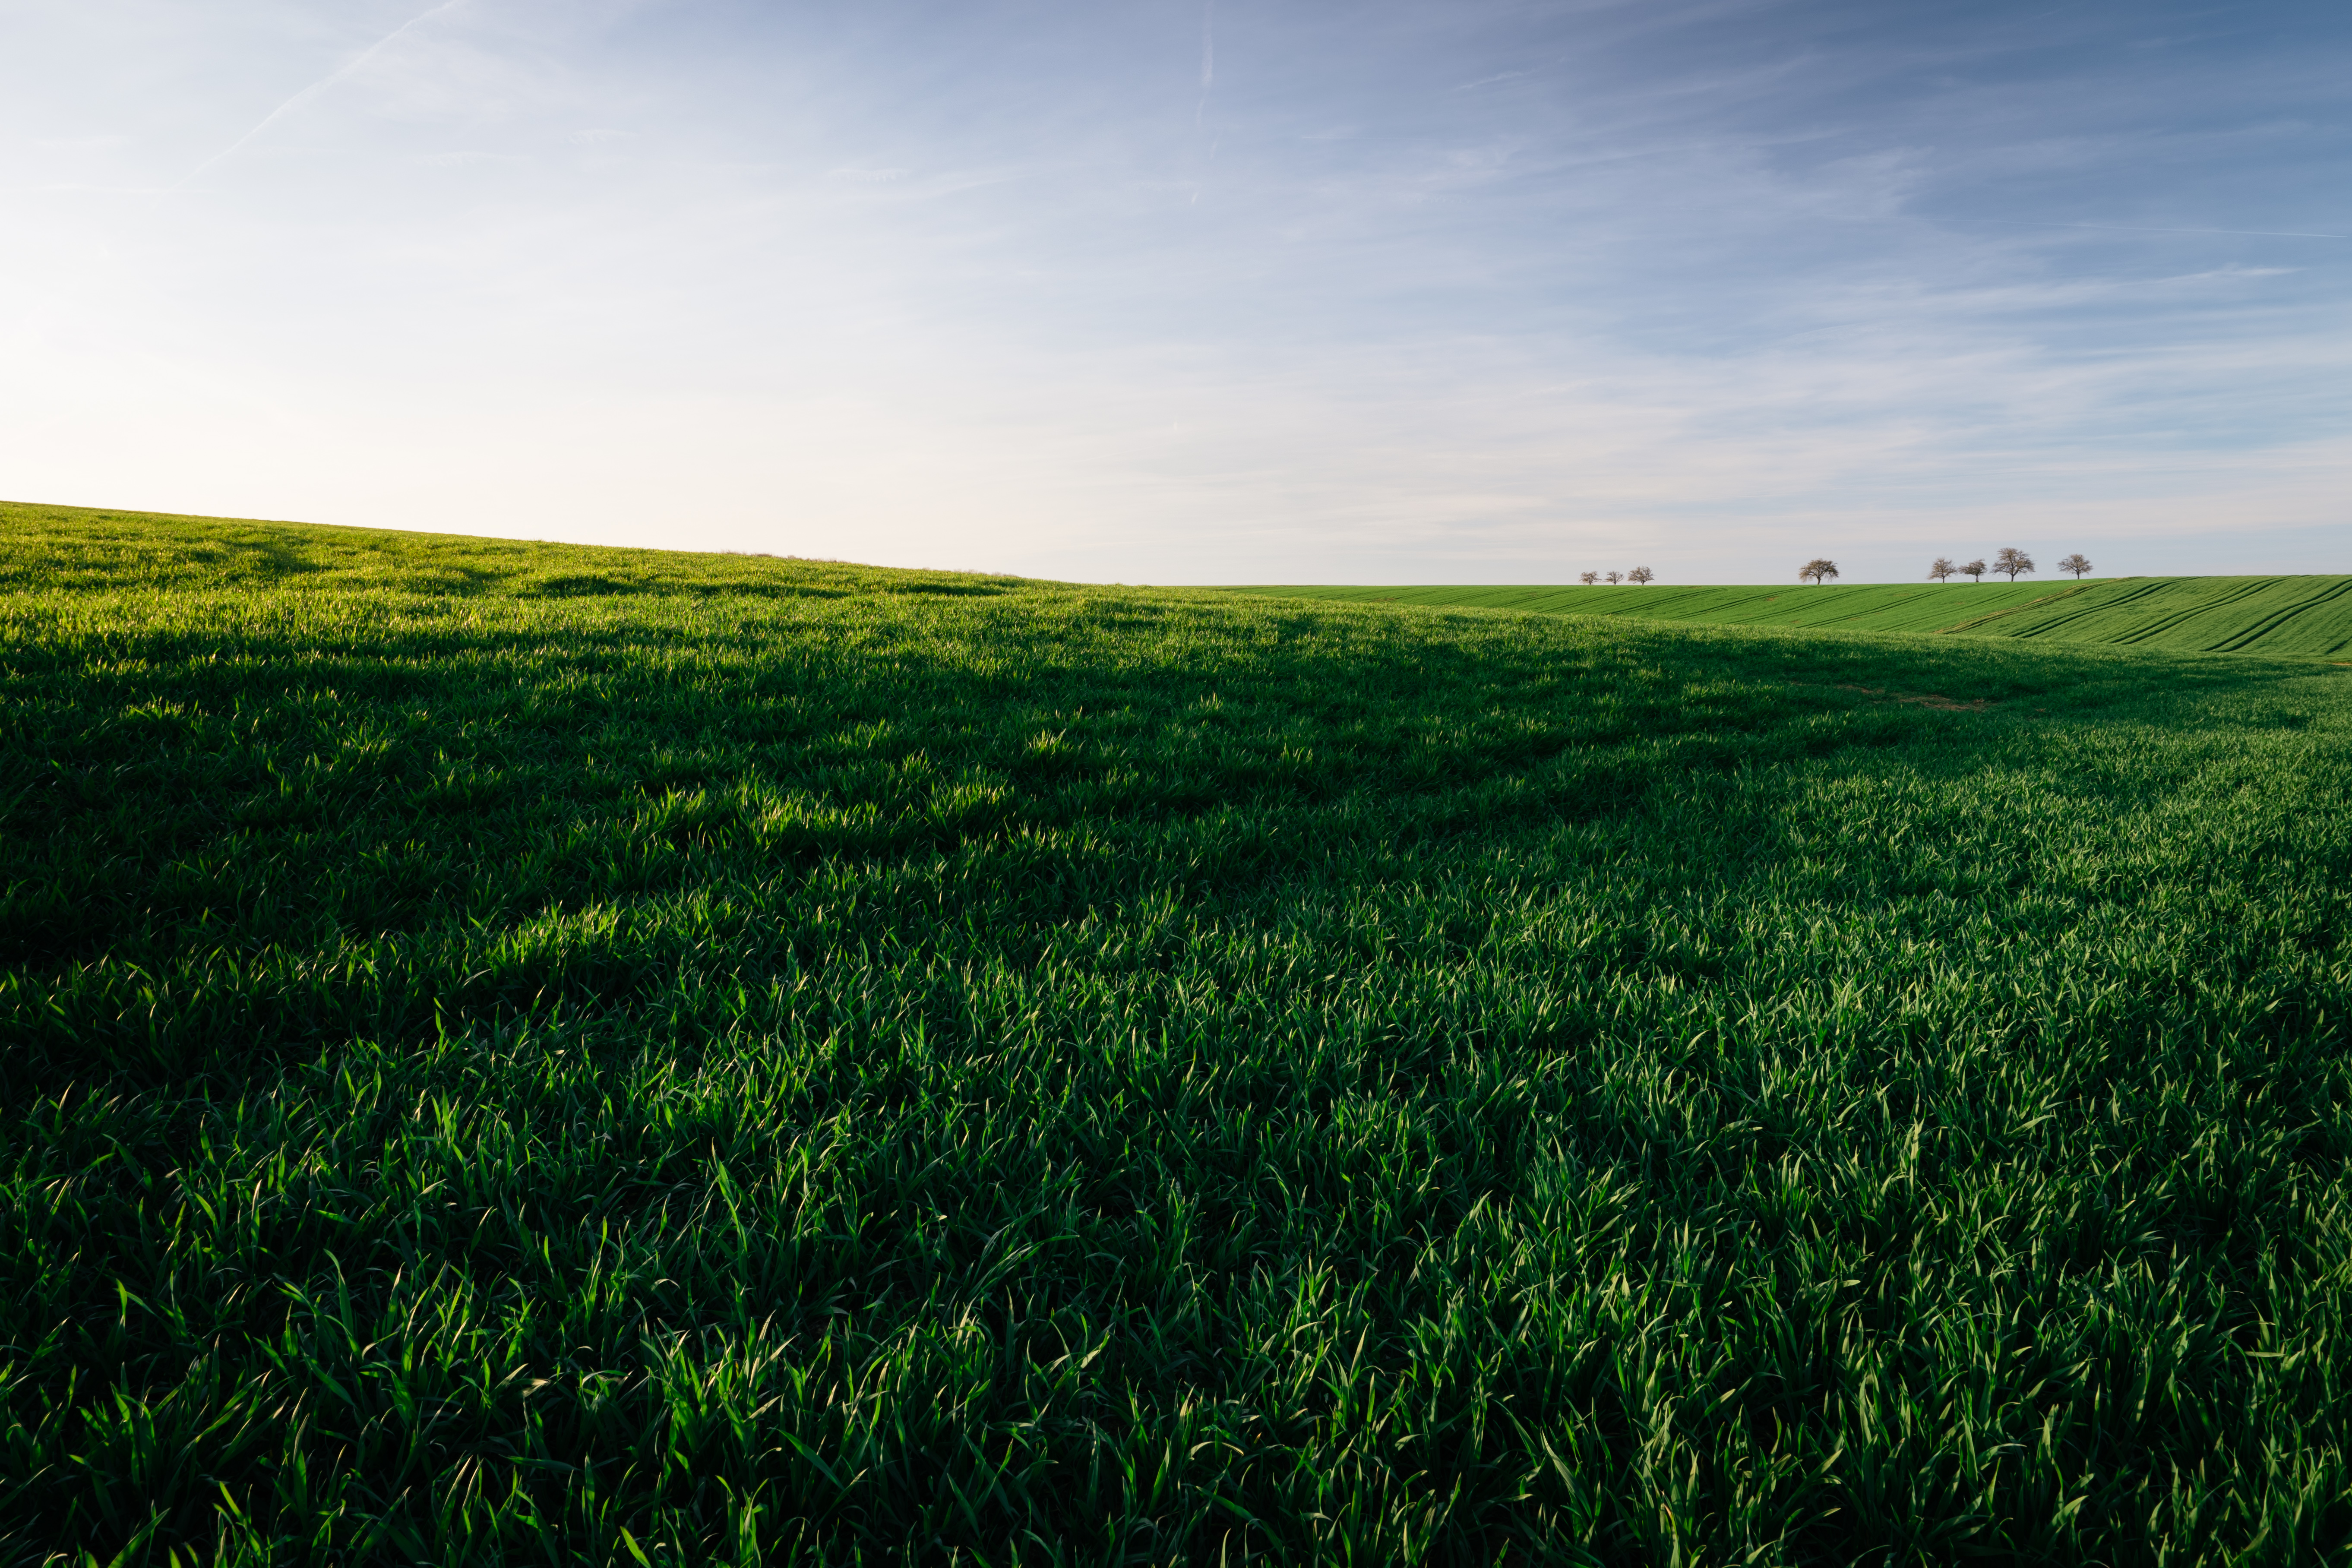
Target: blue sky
{"points": [[1256, 290]]}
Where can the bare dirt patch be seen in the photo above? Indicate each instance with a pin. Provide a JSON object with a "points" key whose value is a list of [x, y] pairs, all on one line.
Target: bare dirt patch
{"points": [[1921, 699], [1926, 700]]}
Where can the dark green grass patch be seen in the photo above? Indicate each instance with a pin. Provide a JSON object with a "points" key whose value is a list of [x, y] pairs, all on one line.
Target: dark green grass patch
{"points": [[516, 1052]]}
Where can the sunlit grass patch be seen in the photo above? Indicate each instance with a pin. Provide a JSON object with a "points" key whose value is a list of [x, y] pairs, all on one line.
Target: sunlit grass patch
{"points": [[2287, 617]]}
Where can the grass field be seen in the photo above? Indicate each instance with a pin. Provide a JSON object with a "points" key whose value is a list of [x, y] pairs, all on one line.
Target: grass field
{"points": [[523, 1052], [2286, 617]]}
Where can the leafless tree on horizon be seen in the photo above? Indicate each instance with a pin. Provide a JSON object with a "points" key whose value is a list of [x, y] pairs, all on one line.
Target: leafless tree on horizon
{"points": [[1640, 575], [2012, 562], [1819, 569], [2077, 563], [1942, 569], [1976, 569]]}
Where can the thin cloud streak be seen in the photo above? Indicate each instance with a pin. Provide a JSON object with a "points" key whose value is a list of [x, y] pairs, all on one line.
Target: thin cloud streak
{"points": [[2144, 228], [318, 86]]}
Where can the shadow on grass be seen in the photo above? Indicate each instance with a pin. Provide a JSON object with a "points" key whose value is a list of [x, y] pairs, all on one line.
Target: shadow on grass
{"points": [[1315, 744]]}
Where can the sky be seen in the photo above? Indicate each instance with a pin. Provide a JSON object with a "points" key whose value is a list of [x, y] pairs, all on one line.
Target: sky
{"points": [[1198, 291]]}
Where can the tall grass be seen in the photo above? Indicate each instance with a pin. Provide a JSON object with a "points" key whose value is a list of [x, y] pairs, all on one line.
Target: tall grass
{"points": [[518, 1052]]}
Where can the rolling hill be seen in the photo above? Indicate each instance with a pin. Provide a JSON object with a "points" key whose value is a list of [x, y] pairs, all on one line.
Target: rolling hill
{"points": [[2293, 617]]}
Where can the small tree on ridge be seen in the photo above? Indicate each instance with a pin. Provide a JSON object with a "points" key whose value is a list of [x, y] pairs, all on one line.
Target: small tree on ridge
{"points": [[2012, 562], [2077, 563], [1640, 575], [1976, 569], [1588, 578], [1818, 571], [1615, 578], [1941, 569]]}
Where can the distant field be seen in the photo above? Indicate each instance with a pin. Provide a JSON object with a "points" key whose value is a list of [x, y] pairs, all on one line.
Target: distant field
{"points": [[517, 1053], [2293, 617]]}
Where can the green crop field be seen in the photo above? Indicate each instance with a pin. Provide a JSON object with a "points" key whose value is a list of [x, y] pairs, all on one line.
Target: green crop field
{"points": [[521, 1053], [2288, 617]]}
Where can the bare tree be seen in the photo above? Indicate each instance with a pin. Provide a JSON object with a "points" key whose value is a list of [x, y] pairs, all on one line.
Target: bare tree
{"points": [[1976, 569], [2012, 562], [1941, 569], [1817, 571], [1615, 578], [1588, 578], [2077, 563], [1640, 575]]}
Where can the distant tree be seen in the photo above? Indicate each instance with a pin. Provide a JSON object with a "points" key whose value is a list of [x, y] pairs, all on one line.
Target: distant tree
{"points": [[1817, 571], [1975, 569], [1640, 575], [1941, 569], [1588, 578], [2012, 562], [1615, 578], [2077, 563]]}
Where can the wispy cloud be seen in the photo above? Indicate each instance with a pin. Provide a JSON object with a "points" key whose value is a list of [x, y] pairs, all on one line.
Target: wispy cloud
{"points": [[2145, 228], [897, 281]]}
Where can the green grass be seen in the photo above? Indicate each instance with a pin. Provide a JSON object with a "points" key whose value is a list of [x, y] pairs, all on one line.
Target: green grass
{"points": [[2289, 617], [524, 1053]]}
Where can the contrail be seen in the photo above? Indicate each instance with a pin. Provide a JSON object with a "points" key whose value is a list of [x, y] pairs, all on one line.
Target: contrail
{"points": [[318, 86], [1207, 56]]}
